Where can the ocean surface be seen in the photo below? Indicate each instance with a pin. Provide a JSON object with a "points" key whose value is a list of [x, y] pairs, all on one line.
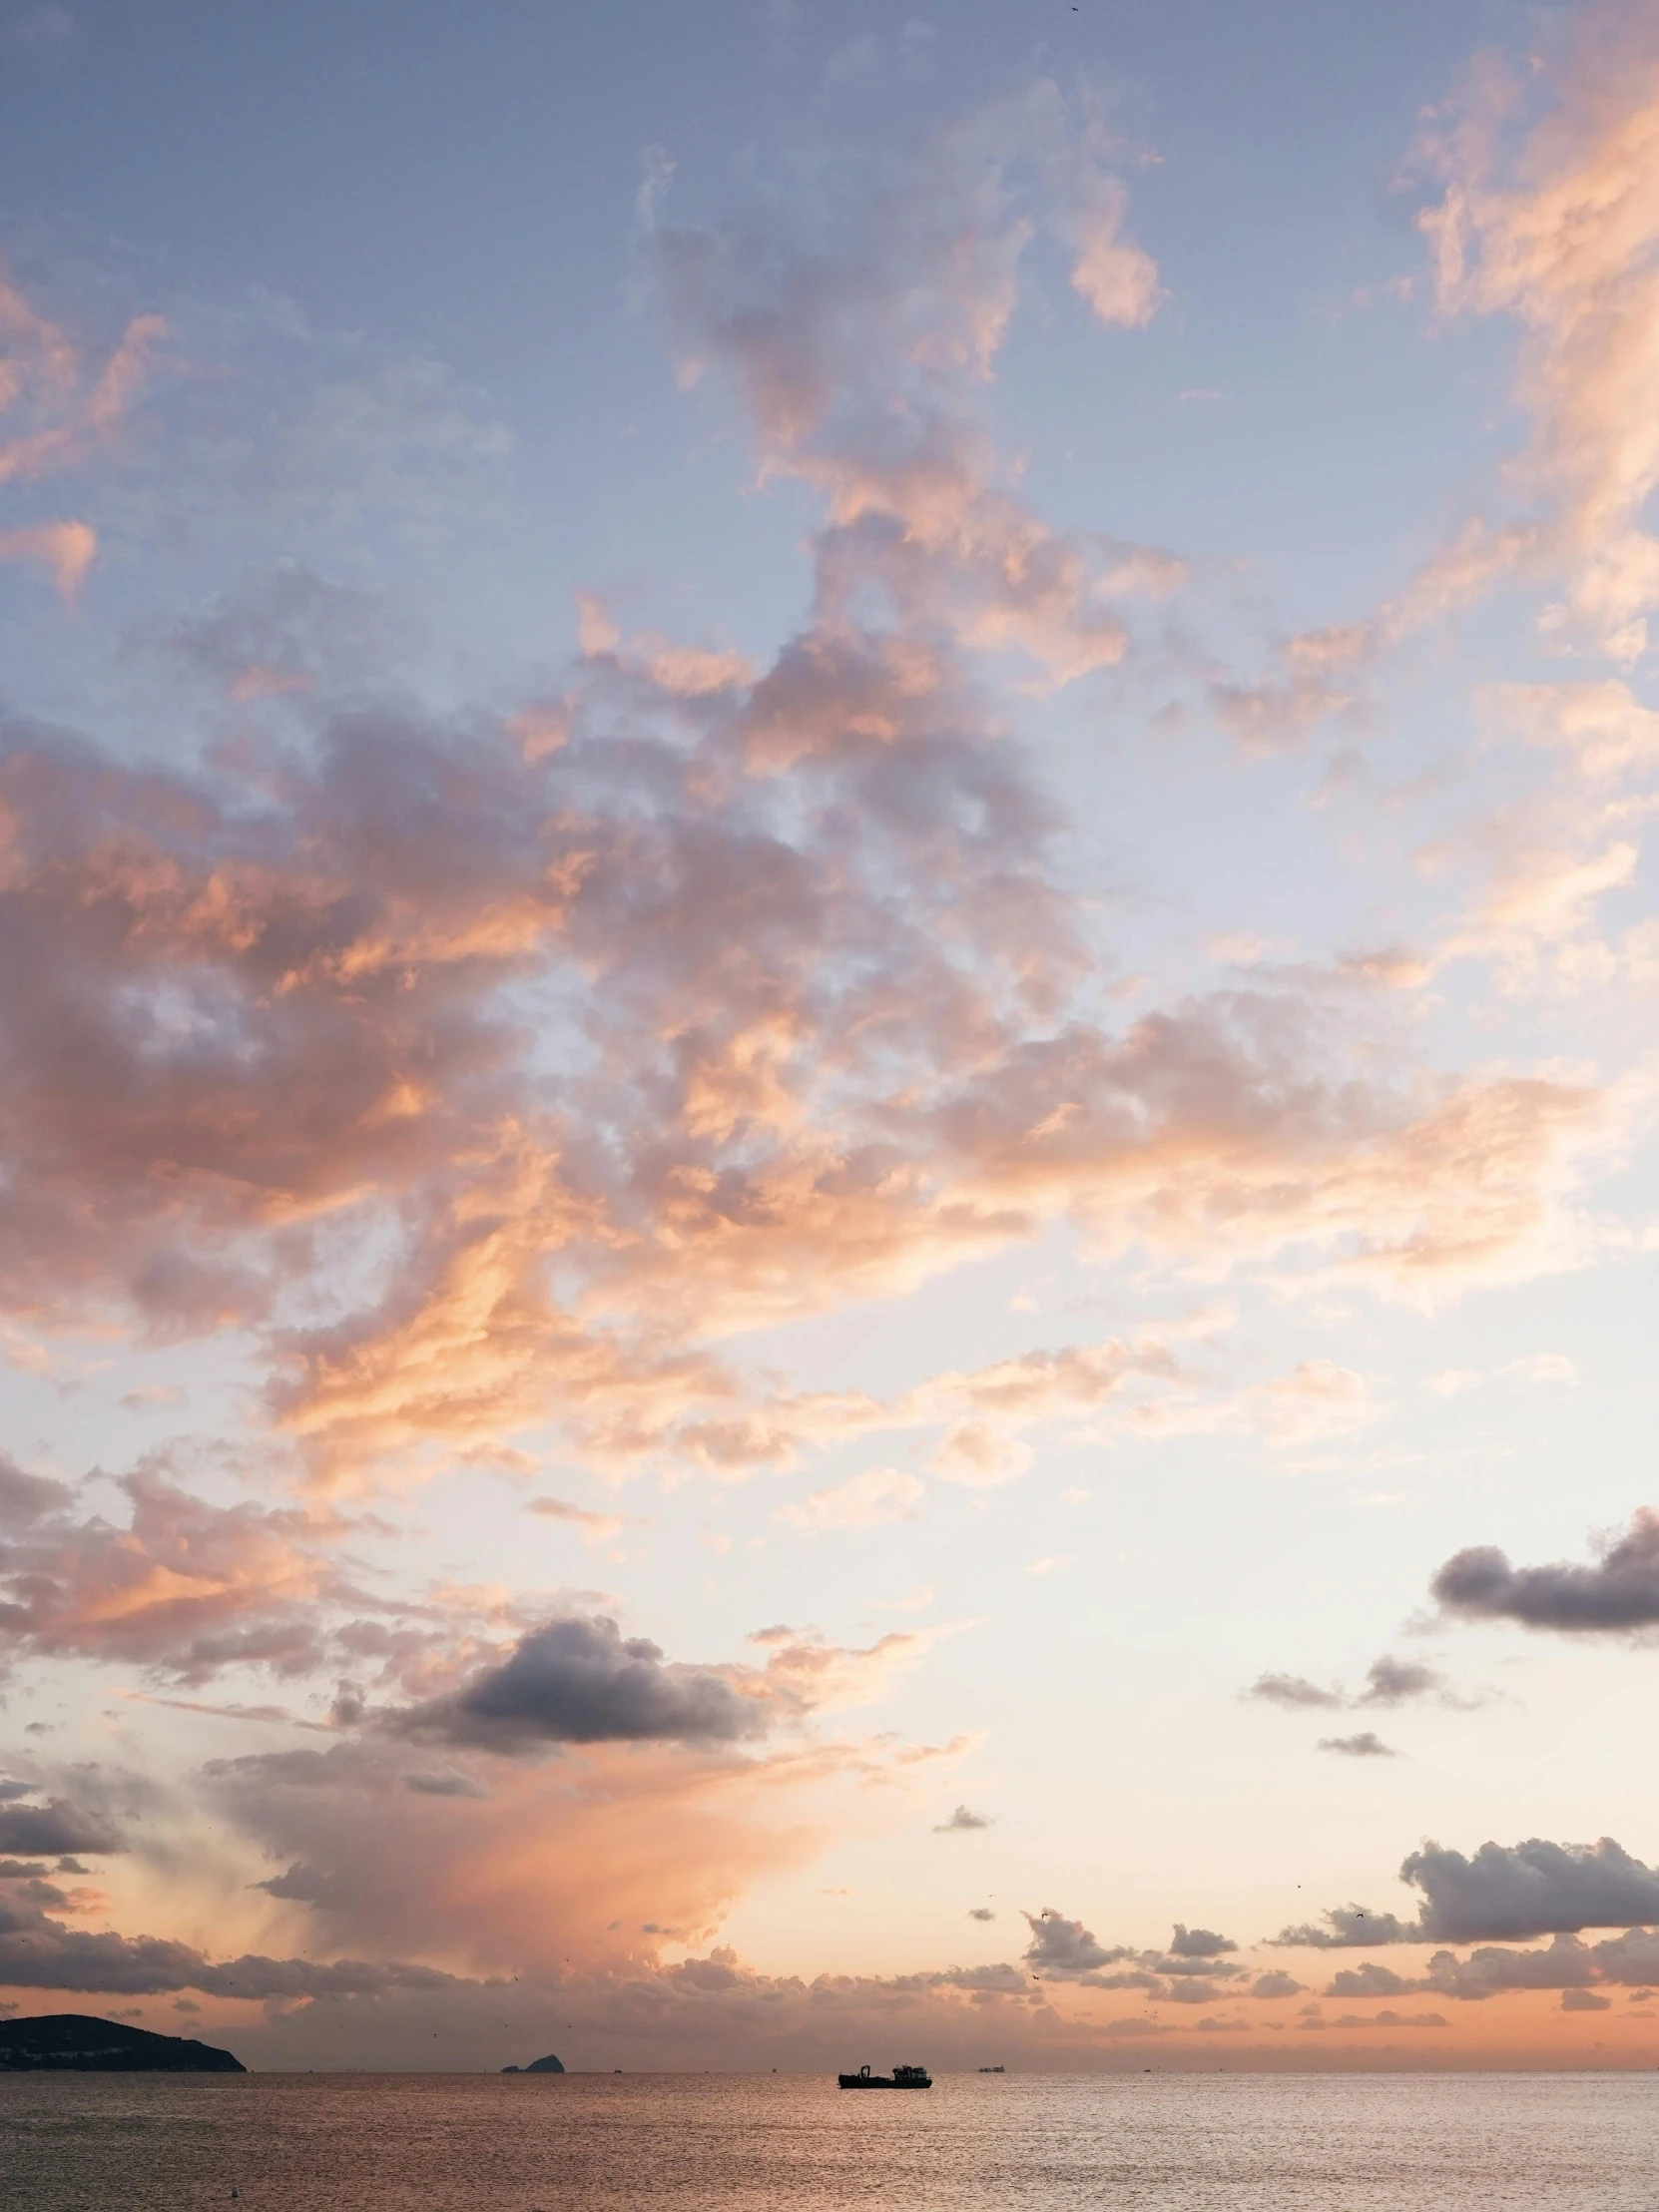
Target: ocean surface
{"points": [[711, 2143]]}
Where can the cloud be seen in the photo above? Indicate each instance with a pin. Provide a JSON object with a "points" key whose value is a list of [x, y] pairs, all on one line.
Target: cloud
{"points": [[1492, 1971], [1488, 1971], [1065, 1951], [1066, 1947], [66, 550], [1510, 1892], [868, 1501], [961, 1822], [580, 1681], [980, 1912], [1316, 1398], [1544, 216], [1555, 227], [57, 1827], [1393, 1682], [1199, 1942], [1601, 723], [1389, 1682], [1277, 1983], [1369, 1980], [1617, 1596], [576, 1679], [245, 997], [185, 1589], [1348, 1927], [1503, 1892], [596, 1529], [1537, 1367], [1365, 1745], [1294, 1692], [37, 1952], [1584, 2001], [915, 307]]}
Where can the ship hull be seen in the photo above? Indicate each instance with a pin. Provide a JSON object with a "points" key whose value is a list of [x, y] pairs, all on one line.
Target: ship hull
{"points": [[878, 2082]]}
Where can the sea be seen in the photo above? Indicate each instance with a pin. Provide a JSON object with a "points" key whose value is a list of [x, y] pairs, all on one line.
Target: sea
{"points": [[1578, 2142]]}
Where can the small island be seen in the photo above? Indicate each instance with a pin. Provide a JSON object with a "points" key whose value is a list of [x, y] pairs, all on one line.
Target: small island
{"points": [[549, 2065], [63, 2042]]}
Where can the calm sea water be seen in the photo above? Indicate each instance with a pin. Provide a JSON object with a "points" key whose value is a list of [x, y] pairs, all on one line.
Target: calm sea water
{"points": [[713, 2143]]}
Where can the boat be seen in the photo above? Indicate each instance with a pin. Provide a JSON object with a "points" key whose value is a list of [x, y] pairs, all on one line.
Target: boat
{"points": [[902, 2077], [993, 2070]]}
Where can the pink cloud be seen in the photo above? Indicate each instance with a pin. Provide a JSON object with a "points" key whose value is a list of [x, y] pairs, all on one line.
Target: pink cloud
{"points": [[67, 549]]}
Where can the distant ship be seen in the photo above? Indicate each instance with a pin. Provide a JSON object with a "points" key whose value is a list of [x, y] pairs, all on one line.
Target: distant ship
{"points": [[902, 2077], [993, 2070]]}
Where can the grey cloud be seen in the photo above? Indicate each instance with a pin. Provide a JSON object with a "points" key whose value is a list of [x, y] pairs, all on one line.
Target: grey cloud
{"points": [[1388, 1682], [1062, 1949], [1615, 1596], [1631, 1958], [1348, 1927], [580, 1681], [1277, 1985], [1295, 1691], [1392, 1681], [291, 631], [1566, 1963], [1162, 1962], [1507, 1893], [1199, 1942], [1584, 2001], [999, 1980], [300, 1885], [37, 1952], [1367, 1745], [963, 1820], [980, 1912], [1369, 1981], [445, 1785], [1066, 1947], [26, 1498], [55, 1827], [1503, 1893]]}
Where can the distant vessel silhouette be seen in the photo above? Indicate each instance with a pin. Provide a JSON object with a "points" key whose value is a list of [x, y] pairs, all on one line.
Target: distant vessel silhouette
{"points": [[993, 2070], [902, 2077]]}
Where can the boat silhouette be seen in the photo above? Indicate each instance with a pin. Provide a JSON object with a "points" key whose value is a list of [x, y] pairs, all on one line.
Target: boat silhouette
{"points": [[902, 2077]]}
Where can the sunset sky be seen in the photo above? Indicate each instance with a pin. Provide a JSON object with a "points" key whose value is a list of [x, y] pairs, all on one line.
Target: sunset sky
{"points": [[829, 1072]]}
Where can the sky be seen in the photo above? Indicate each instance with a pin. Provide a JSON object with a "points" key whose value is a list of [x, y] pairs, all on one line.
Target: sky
{"points": [[827, 1068]]}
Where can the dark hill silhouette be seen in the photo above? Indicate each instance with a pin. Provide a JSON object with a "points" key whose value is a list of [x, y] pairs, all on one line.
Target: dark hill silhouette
{"points": [[61, 2042], [549, 2065]]}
